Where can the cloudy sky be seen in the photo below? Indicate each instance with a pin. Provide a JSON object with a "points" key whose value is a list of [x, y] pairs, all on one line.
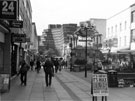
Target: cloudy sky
{"points": [[47, 12]]}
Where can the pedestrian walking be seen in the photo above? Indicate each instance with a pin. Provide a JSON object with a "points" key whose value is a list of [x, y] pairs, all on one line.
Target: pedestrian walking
{"points": [[49, 71], [31, 64], [38, 66], [24, 67], [56, 64]]}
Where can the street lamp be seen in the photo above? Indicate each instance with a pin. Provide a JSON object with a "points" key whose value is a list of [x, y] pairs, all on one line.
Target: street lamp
{"points": [[89, 31], [86, 51]]}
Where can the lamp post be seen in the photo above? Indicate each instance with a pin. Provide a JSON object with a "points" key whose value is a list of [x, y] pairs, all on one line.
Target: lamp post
{"points": [[86, 52], [89, 31]]}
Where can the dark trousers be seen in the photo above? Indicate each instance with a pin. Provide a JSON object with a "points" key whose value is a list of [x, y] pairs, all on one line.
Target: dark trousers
{"points": [[56, 69], [23, 78], [48, 79], [31, 67]]}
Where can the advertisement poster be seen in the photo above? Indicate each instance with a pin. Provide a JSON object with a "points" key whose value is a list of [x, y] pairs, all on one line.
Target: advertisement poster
{"points": [[100, 85]]}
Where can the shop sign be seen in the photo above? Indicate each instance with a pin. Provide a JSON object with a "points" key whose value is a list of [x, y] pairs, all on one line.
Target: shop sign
{"points": [[8, 9], [27, 39], [20, 38], [100, 85], [4, 82], [16, 24]]}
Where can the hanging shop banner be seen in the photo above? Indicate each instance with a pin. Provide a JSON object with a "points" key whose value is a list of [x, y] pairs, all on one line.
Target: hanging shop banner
{"points": [[8, 9], [100, 85], [20, 38], [16, 24]]}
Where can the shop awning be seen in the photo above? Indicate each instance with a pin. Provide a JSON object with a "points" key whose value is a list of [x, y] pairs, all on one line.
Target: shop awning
{"points": [[126, 51]]}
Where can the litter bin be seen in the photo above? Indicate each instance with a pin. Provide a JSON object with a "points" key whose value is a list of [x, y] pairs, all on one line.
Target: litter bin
{"points": [[112, 78]]}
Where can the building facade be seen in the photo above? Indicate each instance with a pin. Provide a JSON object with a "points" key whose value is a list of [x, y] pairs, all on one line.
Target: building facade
{"points": [[118, 30], [5, 41], [132, 27], [33, 42], [58, 37], [19, 50]]}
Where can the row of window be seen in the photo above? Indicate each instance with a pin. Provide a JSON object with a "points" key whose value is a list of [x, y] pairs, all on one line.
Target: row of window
{"points": [[122, 26], [115, 29]]}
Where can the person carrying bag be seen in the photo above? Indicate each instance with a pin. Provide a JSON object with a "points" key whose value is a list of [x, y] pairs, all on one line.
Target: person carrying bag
{"points": [[23, 72]]}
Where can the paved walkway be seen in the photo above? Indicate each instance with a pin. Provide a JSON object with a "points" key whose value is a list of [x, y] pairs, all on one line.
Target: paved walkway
{"points": [[65, 87]]}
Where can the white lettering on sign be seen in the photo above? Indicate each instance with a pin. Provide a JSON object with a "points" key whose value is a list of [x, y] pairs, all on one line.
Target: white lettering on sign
{"points": [[8, 7], [100, 85]]}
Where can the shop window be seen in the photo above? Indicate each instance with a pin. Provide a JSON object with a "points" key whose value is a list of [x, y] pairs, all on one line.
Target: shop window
{"points": [[1, 56]]}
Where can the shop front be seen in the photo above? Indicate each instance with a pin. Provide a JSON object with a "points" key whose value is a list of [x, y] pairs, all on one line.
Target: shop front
{"points": [[5, 59]]}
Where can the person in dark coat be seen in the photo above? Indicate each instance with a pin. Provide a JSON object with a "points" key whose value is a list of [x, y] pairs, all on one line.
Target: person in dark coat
{"points": [[49, 71], [56, 64], [23, 72], [38, 66], [31, 64]]}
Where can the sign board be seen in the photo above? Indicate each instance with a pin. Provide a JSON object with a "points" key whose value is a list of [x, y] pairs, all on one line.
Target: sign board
{"points": [[4, 82], [16, 24], [27, 39], [20, 38], [100, 85], [8, 9]]}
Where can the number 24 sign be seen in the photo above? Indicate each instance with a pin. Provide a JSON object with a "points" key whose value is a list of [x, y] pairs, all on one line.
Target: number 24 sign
{"points": [[8, 9]]}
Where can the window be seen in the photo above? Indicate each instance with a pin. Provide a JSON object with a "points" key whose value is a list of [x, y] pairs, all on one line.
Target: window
{"points": [[120, 41], [120, 27], [108, 31], [125, 40], [112, 29], [125, 25], [116, 28], [133, 16], [133, 35]]}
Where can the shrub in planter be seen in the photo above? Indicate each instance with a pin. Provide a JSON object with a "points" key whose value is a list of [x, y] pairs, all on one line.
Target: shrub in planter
{"points": [[80, 62]]}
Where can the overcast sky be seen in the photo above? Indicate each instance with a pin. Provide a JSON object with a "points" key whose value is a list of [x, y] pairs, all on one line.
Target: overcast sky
{"points": [[45, 12]]}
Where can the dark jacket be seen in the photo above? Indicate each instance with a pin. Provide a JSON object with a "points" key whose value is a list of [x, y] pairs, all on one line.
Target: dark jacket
{"points": [[24, 68], [38, 64], [48, 66], [56, 63]]}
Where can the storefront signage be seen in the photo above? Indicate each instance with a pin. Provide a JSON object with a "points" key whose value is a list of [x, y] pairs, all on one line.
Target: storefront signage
{"points": [[100, 85], [27, 39], [8, 9], [16, 24], [4, 82], [20, 38]]}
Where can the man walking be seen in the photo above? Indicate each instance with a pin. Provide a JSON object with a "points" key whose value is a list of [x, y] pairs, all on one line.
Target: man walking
{"points": [[32, 64], [56, 64], [23, 72], [49, 71]]}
